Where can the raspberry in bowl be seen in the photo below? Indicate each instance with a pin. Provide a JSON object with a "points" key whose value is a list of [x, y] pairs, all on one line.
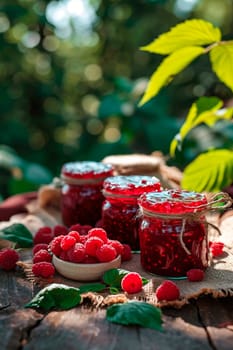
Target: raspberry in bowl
{"points": [[85, 257], [84, 272]]}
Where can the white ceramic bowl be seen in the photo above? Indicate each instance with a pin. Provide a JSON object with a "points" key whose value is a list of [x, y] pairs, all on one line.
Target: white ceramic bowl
{"points": [[84, 272]]}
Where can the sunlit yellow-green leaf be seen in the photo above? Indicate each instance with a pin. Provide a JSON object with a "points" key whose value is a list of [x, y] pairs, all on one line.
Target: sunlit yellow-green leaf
{"points": [[169, 67], [194, 32], [211, 117], [221, 58], [175, 143], [211, 172], [205, 110]]}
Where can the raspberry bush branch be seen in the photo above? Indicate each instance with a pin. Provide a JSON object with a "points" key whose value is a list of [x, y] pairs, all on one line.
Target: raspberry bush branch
{"points": [[182, 45], [189, 38]]}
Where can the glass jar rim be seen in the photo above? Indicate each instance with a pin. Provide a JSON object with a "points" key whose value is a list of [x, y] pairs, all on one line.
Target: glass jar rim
{"points": [[173, 201], [130, 185], [86, 170]]}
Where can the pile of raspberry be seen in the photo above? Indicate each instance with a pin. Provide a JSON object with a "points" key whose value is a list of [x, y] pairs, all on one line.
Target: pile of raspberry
{"points": [[77, 244]]}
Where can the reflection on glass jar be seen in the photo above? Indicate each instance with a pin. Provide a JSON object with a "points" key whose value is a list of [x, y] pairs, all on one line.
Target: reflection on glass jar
{"points": [[120, 209], [173, 232]]}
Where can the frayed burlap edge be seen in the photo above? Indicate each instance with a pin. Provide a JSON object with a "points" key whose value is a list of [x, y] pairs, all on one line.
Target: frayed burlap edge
{"points": [[218, 283]]}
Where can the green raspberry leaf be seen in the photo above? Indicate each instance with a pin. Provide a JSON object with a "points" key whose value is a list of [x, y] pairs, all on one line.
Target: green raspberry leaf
{"points": [[210, 171], [114, 290], [19, 234], [56, 296], [113, 277], [206, 110], [221, 57], [144, 281], [169, 68], [92, 287], [194, 32], [135, 313]]}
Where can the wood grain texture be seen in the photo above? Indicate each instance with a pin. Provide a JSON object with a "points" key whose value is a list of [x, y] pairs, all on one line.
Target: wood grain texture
{"points": [[84, 329], [15, 325], [204, 324], [217, 318]]}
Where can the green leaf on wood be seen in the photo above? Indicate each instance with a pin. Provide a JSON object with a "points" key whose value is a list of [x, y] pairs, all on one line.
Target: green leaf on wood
{"points": [[205, 110], [113, 277], [194, 32], [114, 290], [167, 70], [19, 234], [56, 296], [135, 313], [211, 171], [221, 57], [92, 287]]}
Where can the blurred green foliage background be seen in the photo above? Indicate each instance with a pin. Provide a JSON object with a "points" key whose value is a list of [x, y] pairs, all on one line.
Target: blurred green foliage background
{"points": [[71, 76]]}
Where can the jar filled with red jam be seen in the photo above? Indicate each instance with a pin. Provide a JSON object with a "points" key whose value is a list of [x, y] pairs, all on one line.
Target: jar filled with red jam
{"points": [[120, 209], [81, 194], [173, 232]]}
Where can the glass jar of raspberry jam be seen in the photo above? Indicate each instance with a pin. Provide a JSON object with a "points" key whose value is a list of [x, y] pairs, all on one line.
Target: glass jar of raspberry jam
{"points": [[120, 209], [81, 193], [173, 232]]}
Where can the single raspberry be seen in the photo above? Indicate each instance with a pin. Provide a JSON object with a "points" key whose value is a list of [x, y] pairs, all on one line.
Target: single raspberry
{"points": [[67, 242], [75, 227], [82, 229], [55, 245], [168, 290], [8, 259], [117, 245], [106, 253], [98, 232], [90, 260], [43, 235], [216, 248], [195, 275], [131, 283], [75, 234], [77, 253], [63, 256], [42, 255], [43, 269], [60, 230], [92, 244], [127, 252], [38, 247], [83, 239]]}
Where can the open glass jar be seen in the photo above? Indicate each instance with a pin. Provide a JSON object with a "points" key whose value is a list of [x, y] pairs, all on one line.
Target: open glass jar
{"points": [[173, 232], [81, 193], [120, 209]]}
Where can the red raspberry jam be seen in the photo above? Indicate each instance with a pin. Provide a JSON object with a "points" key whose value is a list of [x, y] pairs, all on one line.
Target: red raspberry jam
{"points": [[120, 209], [82, 197], [173, 232]]}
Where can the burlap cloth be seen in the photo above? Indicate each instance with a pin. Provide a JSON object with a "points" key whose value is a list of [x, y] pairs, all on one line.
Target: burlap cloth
{"points": [[218, 280]]}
